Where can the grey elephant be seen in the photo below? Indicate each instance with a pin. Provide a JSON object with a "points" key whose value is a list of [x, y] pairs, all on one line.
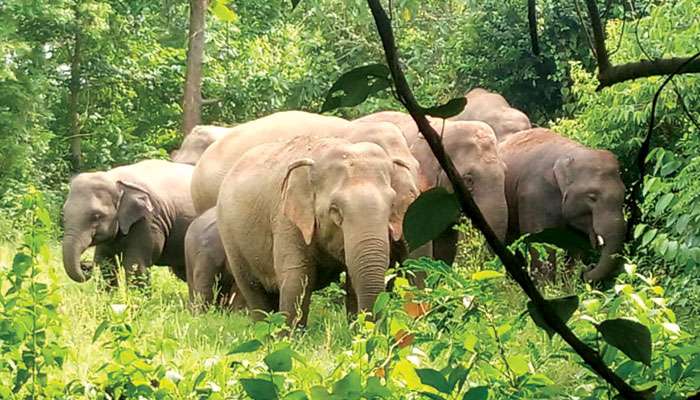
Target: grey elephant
{"points": [[139, 212], [473, 149], [293, 215], [207, 267], [194, 144], [554, 182], [493, 109]]}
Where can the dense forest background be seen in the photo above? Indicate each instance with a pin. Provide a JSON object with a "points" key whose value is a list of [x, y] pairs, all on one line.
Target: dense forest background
{"points": [[104, 80]]}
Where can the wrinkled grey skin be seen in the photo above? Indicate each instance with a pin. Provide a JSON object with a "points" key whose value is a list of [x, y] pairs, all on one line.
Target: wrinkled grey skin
{"points": [[198, 140], [473, 149], [294, 215], [139, 213], [554, 182], [493, 109], [207, 269]]}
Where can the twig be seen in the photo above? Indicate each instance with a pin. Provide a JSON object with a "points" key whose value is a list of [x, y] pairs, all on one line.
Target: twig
{"points": [[632, 201], [514, 265]]}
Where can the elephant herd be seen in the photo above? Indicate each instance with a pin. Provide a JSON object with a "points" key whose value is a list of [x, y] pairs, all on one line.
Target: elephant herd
{"points": [[263, 213]]}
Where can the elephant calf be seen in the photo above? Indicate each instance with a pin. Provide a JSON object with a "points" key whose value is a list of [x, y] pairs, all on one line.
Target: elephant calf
{"points": [[554, 182], [139, 212], [197, 141], [293, 215], [493, 109], [206, 265]]}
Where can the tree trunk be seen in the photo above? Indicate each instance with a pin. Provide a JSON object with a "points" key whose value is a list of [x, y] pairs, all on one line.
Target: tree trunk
{"points": [[192, 100], [73, 100]]}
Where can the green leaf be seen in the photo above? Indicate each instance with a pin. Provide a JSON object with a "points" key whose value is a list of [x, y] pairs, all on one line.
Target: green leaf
{"points": [[375, 389], [355, 86], [457, 378], [429, 215], [246, 347], [431, 396], [380, 303], [259, 389], [648, 237], [320, 393], [663, 202], [434, 379], [222, 12], [449, 109], [477, 393], [563, 307], [349, 387], [518, 363], [104, 325], [280, 360], [296, 395], [21, 263], [295, 3], [486, 274], [630, 337]]}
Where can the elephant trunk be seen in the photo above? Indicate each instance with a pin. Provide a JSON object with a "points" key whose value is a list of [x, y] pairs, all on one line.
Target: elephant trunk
{"points": [[609, 231], [492, 204], [367, 259], [74, 244]]}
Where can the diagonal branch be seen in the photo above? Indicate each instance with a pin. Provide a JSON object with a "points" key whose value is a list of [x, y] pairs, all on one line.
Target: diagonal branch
{"points": [[609, 74], [514, 265]]}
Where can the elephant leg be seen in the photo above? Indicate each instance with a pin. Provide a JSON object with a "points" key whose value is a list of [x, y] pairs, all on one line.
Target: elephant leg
{"points": [[203, 277], [256, 297], [296, 277], [229, 296], [105, 260], [144, 245], [534, 216], [445, 246]]}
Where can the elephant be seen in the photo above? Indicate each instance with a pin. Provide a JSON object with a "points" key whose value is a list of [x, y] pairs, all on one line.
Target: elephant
{"points": [[294, 214], [194, 144], [139, 212], [555, 182], [222, 154], [206, 264], [493, 109], [473, 149]]}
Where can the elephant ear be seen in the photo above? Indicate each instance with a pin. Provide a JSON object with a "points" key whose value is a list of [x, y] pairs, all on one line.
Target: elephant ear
{"points": [[134, 204], [563, 175], [403, 182], [298, 197]]}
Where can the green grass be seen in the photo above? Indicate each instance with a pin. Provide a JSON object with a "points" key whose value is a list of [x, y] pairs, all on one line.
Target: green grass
{"points": [[191, 343]]}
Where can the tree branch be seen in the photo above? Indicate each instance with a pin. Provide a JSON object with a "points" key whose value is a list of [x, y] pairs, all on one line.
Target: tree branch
{"points": [[633, 200], [532, 22], [514, 265], [609, 74]]}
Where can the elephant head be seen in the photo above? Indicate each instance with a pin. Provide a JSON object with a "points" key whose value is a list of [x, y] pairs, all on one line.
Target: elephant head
{"points": [[342, 196], [196, 142], [473, 148], [592, 196], [97, 209]]}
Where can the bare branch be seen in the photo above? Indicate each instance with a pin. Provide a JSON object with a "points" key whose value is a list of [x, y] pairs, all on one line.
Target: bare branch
{"points": [[601, 53], [646, 68], [532, 21], [515, 266]]}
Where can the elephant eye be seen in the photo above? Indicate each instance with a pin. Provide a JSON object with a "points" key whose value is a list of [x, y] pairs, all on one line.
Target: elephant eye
{"points": [[593, 196], [97, 216]]}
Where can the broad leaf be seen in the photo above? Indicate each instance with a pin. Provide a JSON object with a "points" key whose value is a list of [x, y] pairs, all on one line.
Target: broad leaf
{"points": [[247, 347], [280, 360], [101, 328], [222, 12], [259, 389], [355, 86], [349, 387], [447, 110], [563, 307], [433, 379], [429, 215], [477, 393], [486, 274], [375, 389], [296, 395], [457, 378], [630, 337]]}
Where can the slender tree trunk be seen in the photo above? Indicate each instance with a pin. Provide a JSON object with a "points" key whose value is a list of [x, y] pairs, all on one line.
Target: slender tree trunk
{"points": [[73, 103], [192, 100]]}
